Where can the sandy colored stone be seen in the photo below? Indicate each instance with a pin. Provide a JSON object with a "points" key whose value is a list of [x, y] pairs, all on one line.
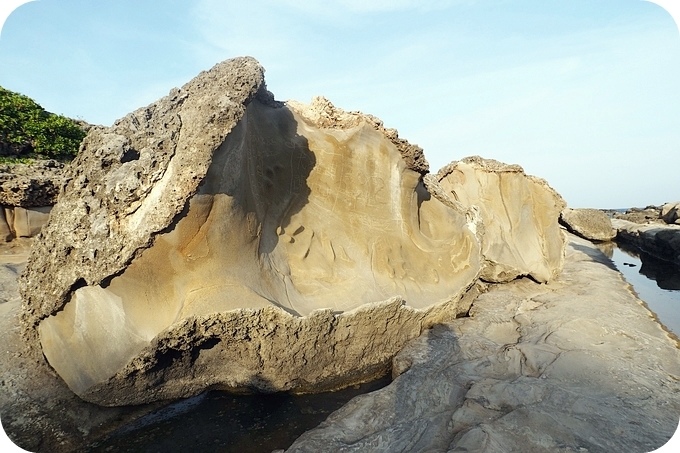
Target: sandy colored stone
{"points": [[309, 227], [591, 224], [576, 365], [519, 214], [670, 212]]}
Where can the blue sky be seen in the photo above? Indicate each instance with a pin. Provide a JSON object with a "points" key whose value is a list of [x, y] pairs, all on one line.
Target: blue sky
{"points": [[583, 93]]}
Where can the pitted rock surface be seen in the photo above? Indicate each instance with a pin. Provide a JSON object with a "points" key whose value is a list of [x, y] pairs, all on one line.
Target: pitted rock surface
{"points": [[218, 206], [591, 224]]}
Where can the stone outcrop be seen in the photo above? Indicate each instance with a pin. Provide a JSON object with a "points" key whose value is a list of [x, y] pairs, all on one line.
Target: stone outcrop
{"points": [[577, 365], [648, 214], [658, 239], [519, 214], [591, 224], [228, 240], [27, 193], [670, 213]]}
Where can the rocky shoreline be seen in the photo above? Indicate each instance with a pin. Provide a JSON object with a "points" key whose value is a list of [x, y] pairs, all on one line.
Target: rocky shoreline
{"points": [[220, 239]]}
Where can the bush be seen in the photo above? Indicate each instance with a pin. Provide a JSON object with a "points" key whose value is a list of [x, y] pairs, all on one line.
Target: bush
{"points": [[27, 130]]}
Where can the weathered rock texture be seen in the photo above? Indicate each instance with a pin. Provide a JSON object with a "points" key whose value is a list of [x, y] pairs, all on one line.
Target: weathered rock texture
{"points": [[591, 224], [27, 193], [227, 240], [576, 365], [519, 213], [670, 212], [640, 215], [658, 239]]}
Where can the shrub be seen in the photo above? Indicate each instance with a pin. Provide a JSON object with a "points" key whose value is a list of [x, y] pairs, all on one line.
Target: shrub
{"points": [[27, 130]]}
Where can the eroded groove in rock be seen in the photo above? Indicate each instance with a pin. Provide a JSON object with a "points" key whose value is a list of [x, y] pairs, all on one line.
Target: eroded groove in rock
{"points": [[112, 206], [519, 214], [240, 211]]}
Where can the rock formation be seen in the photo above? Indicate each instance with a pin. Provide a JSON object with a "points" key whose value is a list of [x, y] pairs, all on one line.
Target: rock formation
{"points": [[521, 235], [227, 240], [577, 365], [591, 224], [27, 193], [670, 213], [640, 215], [658, 239]]}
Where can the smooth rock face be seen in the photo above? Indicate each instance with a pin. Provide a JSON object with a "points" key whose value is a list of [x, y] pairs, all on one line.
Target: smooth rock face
{"points": [[519, 213], [576, 365], [591, 224], [670, 212], [227, 240], [657, 239]]}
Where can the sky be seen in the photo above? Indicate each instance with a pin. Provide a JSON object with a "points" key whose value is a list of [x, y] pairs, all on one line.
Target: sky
{"points": [[582, 93]]}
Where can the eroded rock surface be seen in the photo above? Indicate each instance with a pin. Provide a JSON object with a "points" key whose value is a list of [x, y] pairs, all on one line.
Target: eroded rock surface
{"points": [[658, 239], [591, 224], [670, 212], [227, 240], [519, 214], [27, 194], [576, 365]]}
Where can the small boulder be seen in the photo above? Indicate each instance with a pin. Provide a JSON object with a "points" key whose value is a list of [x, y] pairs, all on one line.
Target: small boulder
{"points": [[591, 224]]}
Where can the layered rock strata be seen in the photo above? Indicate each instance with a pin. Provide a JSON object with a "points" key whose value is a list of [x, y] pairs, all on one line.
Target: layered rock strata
{"points": [[519, 215], [224, 239]]}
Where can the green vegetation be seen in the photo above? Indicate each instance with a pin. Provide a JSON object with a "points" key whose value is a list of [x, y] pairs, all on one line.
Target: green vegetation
{"points": [[28, 131]]}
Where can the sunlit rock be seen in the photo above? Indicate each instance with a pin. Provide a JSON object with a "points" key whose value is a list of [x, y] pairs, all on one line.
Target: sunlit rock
{"points": [[591, 224], [218, 238], [520, 215]]}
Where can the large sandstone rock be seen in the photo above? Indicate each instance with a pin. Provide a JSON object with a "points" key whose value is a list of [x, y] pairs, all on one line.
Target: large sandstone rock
{"points": [[218, 238], [591, 224], [519, 213], [657, 239], [578, 365]]}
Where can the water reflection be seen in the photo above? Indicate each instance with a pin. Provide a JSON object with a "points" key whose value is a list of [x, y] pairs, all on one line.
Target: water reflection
{"points": [[665, 274], [219, 421], [656, 282]]}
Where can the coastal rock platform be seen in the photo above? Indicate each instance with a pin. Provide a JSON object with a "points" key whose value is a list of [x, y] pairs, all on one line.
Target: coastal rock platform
{"points": [[576, 365]]}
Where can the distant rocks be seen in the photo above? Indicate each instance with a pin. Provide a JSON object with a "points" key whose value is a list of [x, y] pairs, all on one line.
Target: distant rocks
{"points": [[657, 239], [670, 213], [591, 224], [518, 213], [639, 215]]}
